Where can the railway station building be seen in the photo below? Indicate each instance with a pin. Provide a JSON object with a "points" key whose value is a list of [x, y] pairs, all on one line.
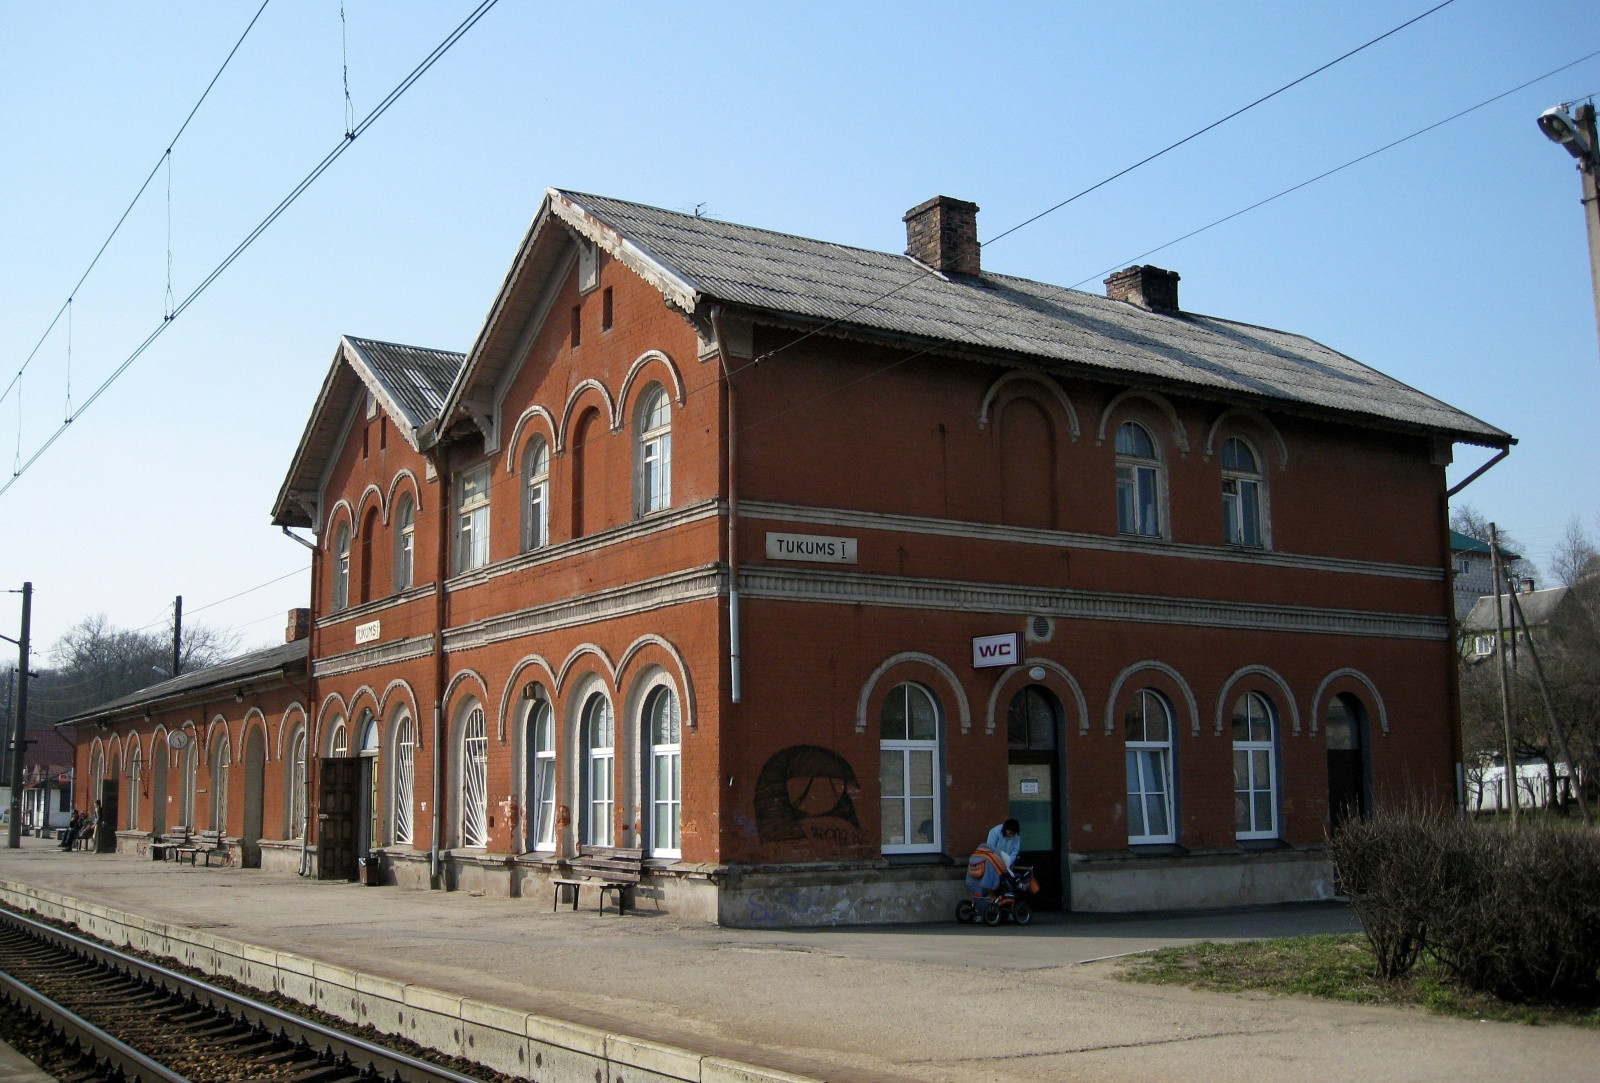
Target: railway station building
{"points": [[798, 567]]}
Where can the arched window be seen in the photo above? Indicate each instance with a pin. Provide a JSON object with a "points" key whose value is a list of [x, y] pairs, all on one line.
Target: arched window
{"points": [[536, 494], [341, 566], [652, 451], [368, 754], [1241, 494], [221, 754], [1255, 771], [405, 541], [369, 527], [135, 779], [404, 775], [472, 518], [908, 771], [296, 803], [474, 780], [97, 775], [1138, 482], [663, 730], [599, 735], [541, 781], [339, 740], [1148, 725]]}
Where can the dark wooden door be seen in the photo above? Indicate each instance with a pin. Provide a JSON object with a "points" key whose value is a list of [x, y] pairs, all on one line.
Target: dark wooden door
{"points": [[1347, 769], [339, 795], [105, 832]]}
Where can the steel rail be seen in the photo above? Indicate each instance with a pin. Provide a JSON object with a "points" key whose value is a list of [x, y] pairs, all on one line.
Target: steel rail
{"points": [[112, 1052], [368, 1057]]}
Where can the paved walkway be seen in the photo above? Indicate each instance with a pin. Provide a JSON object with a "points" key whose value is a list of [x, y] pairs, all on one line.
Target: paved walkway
{"points": [[867, 1003]]}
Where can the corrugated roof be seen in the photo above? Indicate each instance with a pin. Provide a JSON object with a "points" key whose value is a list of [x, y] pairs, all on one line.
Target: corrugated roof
{"points": [[880, 292], [1538, 607], [1465, 543], [416, 377], [256, 664]]}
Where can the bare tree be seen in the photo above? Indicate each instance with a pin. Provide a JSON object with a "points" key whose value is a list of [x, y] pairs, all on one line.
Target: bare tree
{"points": [[1576, 556]]}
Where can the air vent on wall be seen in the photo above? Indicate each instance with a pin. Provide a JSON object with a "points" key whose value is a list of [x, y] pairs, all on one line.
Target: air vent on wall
{"points": [[1040, 629]]}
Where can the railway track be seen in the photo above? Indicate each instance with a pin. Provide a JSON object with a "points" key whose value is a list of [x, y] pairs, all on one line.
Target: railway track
{"points": [[101, 1014]]}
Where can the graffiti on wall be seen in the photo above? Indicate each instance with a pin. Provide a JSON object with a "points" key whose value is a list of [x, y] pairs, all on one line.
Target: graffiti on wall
{"points": [[803, 783]]}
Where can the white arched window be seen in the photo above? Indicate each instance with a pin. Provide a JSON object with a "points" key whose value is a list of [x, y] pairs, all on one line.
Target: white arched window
{"points": [[472, 518], [368, 754], [663, 731], [405, 541], [135, 779], [296, 803], [1148, 732], [1241, 494], [541, 782], [652, 451], [908, 771], [339, 739], [1138, 482], [404, 776], [221, 754], [599, 749], [536, 494], [474, 780], [341, 566], [1255, 769]]}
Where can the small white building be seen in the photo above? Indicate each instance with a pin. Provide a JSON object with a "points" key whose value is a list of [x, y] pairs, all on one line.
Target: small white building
{"points": [[1486, 788]]}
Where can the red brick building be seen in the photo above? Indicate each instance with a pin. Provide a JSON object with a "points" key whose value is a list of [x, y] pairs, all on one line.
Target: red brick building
{"points": [[801, 566]]}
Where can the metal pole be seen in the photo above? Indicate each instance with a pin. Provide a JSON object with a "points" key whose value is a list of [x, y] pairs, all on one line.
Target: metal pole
{"points": [[1589, 166], [177, 633], [1505, 686], [19, 722]]}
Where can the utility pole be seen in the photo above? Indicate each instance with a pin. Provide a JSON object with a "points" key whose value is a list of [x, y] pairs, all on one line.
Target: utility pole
{"points": [[1556, 729], [177, 633], [19, 722], [1576, 133], [1505, 684]]}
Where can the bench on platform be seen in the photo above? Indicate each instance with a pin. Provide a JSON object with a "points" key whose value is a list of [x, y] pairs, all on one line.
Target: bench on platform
{"points": [[605, 868], [207, 843], [165, 847], [84, 840]]}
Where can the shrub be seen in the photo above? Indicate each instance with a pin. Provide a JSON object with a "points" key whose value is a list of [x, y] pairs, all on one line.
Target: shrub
{"points": [[1512, 913]]}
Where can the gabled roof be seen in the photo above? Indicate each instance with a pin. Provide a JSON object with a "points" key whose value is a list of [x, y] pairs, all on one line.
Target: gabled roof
{"points": [[273, 662], [696, 262], [410, 384], [1538, 608]]}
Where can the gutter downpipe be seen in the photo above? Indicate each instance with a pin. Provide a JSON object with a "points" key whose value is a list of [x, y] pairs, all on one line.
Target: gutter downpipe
{"points": [[441, 566], [735, 685], [311, 701]]}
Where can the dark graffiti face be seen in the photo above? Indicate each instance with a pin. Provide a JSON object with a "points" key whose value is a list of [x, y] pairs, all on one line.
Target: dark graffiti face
{"points": [[803, 782]]}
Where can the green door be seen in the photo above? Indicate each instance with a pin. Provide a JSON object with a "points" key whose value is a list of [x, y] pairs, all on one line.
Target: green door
{"points": [[1033, 725]]}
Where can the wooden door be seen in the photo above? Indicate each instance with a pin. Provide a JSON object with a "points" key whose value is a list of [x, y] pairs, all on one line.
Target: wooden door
{"points": [[339, 795], [105, 832]]}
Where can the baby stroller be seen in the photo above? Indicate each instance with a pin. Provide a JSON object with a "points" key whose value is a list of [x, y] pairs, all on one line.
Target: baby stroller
{"points": [[996, 895]]}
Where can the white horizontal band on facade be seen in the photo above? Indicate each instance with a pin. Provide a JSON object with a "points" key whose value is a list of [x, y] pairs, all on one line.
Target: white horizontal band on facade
{"points": [[903, 592], [356, 612], [849, 519], [400, 650]]}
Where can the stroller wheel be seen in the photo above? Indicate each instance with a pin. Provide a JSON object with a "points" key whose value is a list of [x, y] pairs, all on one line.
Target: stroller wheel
{"points": [[1022, 913], [992, 914], [966, 912]]}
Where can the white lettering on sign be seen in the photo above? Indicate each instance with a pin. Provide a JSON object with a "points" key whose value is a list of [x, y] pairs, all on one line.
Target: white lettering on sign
{"points": [[368, 632], [811, 547], [1030, 785], [994, 650]]}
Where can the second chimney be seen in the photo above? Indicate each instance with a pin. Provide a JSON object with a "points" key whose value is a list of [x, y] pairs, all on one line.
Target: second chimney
{"points": [[299, 625], [943, 233], [1148, 287]]}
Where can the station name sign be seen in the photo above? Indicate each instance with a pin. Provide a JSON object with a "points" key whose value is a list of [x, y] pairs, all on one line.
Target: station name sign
{"points": [[813, 547], [368, 632], [1001, 650]]}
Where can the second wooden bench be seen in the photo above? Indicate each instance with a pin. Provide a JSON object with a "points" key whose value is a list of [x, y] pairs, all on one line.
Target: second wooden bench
{"points": [[605, 868]]}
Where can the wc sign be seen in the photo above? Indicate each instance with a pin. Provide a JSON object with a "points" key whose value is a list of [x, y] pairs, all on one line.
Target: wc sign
{"points": [[995, 650]]}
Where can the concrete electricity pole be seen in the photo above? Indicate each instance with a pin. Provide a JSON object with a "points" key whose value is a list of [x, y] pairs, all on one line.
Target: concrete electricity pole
{"points": [[19, 721], [1576, 132]]}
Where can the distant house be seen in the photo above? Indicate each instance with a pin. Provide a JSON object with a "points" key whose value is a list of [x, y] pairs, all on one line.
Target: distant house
{"points": [[46, 782], [1540, 608]]}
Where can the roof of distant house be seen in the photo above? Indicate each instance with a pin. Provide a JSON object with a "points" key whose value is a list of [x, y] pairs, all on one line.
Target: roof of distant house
{"points": [[1538, 608]]}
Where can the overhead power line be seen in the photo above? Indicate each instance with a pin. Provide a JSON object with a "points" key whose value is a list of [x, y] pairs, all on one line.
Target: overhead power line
{"points": [[164, 158], [283, 205]]}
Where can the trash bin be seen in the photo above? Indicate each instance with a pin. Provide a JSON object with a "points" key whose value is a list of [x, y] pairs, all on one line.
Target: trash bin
{"points": [[371, 870]]}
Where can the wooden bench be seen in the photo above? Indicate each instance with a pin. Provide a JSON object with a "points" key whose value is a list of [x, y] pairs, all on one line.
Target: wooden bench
{"points": [[207, 843], [165, 847], [606, 868], [84, 839]]}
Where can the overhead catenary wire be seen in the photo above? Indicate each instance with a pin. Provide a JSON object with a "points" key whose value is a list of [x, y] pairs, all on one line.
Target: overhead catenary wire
{"points": [[283, 205]]}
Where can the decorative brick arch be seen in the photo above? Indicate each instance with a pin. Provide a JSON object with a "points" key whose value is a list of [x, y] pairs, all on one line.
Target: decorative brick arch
{"points": [[572, 404], [254, 717], [1179, 437], [462, 679], [578, 652], [333, 517], [365, 692], [638, 365], [333, 706], [1272, 677], [1159, 667], [514, 445], [394, 489], [286, 723], [217, 722], [370, 492], [1255, 417], [691, 717], [1016, 376], [401, 691], [963, 711], [515, 684], [1359, 678], [1062, 677]]}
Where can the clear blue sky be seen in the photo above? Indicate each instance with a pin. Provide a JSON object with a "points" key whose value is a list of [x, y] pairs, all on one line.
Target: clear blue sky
{"points": [[1455, 263]]}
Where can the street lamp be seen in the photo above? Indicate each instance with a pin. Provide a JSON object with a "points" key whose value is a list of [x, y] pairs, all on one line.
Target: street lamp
{"points": [[1576, 133]]}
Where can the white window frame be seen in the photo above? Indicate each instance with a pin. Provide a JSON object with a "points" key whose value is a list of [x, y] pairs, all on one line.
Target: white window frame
{"points": [[219, 782], [1241, 487], [652, 460], [472, 518], [472, 821], [405, 542], [540, 734], [341, 567], [536, 494], [339, 739], [905, 749], [1483, 646], [1257, 713], [402, 781], [663, 764], [599, 770], [1142, 480], [298, 746], [1142, 752]]}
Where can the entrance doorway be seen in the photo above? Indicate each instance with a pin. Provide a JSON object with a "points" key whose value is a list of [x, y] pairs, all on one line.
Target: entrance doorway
{"points": [[1349, 788], [255, 781], [368, 835], [158, 788], [1033, 727]]}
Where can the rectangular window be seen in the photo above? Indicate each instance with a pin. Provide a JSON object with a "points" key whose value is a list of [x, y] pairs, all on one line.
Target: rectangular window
{"points": [[666, 795], [1136, 501], [600, 802], [1255, 814], [1149, 805], [538, 515], [577, 325], [383, 433], [544, 800], [366, 436], [909, 800], [605, 310], [1483, 645], [472, 520], [1241, 511]]}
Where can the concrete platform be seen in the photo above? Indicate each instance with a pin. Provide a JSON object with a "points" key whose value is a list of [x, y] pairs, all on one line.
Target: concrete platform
{"points": [[16, 1068], [652, 998]]}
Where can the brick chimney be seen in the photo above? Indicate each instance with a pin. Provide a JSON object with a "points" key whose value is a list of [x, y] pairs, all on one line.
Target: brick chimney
{"points": [[943, 233], [299, 626], [1150, 288]]}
